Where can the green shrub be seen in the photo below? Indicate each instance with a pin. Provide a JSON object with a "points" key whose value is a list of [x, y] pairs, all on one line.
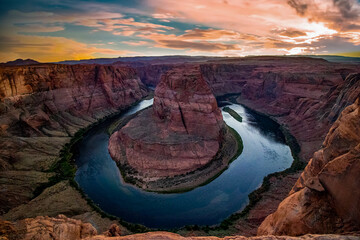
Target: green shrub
{"points": [[233, 113]]}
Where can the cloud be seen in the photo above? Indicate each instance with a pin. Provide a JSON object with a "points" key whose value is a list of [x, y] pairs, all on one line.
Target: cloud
{"points": [[289, 32], [207, 27], [298, 6], [197, 46], [113, 22], [342, 15], [164, 17], [347, 8], [210, 34], [208, 40], [51, 49], [46, 17], [246, 16], [36, 27], [134, 43]]}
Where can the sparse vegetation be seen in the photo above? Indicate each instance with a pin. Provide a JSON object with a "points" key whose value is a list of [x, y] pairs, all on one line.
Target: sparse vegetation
{"points": [[65, 169], [233, 113], [226, 226]]}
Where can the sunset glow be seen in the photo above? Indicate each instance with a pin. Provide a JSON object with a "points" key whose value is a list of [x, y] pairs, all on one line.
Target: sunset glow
{"points": [[55, 30]]}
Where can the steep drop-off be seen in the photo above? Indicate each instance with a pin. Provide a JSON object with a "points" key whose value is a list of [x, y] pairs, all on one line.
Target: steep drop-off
{"points": [[296, 91], [63, 228], [305, 95], [41, 108], [181, 133], [326, 197]]}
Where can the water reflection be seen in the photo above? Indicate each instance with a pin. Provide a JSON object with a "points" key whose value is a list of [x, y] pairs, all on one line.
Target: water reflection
{"points": [[264, 153]]}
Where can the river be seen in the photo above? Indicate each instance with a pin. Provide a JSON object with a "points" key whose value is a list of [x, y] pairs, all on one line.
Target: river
{"points": [[265, 152]]}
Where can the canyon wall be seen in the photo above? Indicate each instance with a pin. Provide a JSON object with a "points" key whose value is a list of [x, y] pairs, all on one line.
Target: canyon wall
{"points": [[41, 107], [296, 91], [326, 197]]}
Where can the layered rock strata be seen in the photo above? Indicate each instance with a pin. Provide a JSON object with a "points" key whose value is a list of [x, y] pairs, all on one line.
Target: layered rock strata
{"points": [[296, 91], [62, 228], [326, 197], [182, 132], [41, 107], [316, 91], [43, 228]]}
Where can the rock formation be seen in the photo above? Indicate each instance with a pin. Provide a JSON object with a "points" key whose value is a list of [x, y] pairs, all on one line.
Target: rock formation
{"points": [[296, 91], [63, 228], [43, 228], [326, 197], [41, 107], [303, 98], [20, 62], [179, 134]]}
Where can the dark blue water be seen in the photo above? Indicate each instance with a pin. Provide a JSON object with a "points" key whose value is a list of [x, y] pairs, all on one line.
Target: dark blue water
{"points": [[264, 152]]}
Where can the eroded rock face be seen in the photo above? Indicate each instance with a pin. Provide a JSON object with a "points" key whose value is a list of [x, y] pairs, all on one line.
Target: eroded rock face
{"points": [[184, 100], [326, 197], [181, 133], [63, 228], [296, 91], [41, 107], [43, 228]]}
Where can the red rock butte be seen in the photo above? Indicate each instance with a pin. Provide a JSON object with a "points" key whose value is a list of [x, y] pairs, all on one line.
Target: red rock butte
{"points": [[179, 134]]}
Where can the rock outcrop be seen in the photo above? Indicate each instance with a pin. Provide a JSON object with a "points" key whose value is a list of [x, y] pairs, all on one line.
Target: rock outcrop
{"points": [[20, 62], [326, 197], [41, 107], [182, 132], [43, 228], [296, 91], [63, 228], [173, 236]]}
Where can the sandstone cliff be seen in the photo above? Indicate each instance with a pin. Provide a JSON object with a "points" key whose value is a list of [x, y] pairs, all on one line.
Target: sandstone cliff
{"points": [[326, 197], [179, 134], [43, 228], [41, 107], [305, 95], [62, 228], [297, 91]]}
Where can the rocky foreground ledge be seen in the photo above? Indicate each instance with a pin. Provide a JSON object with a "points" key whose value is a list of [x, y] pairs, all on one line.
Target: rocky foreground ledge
{"points": [[326, 197], [63, 228], [183, 132]]}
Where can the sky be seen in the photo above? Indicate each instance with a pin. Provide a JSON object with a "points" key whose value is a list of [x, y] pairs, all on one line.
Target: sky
{"points": [[56, 30]]}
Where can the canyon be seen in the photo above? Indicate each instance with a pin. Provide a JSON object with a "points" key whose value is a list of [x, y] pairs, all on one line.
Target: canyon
{"points": [[41, 109], [295, 91], [42, 106], [182, 132]]}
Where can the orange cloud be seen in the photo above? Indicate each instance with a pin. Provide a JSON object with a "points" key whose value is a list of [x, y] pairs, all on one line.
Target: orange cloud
{"points": [[233, 28], [289, 32], [51, 49], [134, 43], [193, 40], [126, 25], [342, 15], [197, 46]]}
